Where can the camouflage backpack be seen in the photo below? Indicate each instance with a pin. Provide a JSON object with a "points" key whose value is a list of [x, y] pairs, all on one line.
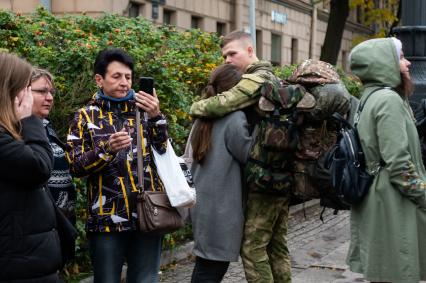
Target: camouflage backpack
{"points": [[314, 72], [269, 166], [319, 131]]}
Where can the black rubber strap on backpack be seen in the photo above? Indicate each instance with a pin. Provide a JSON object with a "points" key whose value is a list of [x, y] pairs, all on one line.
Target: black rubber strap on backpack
{"points": [[342, 120], [361, 106]]}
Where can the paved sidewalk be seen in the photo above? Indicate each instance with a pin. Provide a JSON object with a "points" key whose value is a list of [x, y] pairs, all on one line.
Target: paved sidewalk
{"points": [[318, 251]]}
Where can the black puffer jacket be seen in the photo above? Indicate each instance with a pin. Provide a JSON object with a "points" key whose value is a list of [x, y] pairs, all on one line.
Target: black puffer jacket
{"points": [[29, 243]]}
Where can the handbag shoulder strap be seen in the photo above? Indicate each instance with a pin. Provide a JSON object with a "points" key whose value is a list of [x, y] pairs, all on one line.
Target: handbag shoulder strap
{"points": [[140, 184]]}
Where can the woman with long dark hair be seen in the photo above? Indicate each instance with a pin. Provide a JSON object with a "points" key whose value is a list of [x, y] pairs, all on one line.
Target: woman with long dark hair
{"points": [[219, 147]]}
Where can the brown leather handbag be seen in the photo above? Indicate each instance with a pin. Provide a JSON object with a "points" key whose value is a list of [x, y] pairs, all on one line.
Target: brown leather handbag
{"points": [[155, 213]]}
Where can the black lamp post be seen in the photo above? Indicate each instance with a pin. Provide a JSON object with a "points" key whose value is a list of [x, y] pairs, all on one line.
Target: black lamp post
{"points": [[412, 33]]}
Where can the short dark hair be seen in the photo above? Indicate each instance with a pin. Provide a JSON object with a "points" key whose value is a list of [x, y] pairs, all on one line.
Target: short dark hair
{"points": [[235, 35], [109, 55]]}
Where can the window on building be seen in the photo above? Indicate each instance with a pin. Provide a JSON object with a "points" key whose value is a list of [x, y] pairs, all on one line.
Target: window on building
{"points": [[344, 60], [276, 49], [220, 28], [169, 17], [259, 43], [195, 22], [359, 15], [134, 9], [294, 51]]}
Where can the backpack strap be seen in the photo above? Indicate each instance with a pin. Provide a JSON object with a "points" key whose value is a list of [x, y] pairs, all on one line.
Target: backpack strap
{"points": [[344, 121], [361, 105], [382, 163]]}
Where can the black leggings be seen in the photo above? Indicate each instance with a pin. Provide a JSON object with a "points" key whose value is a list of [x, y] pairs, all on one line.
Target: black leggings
{"points": [[208, 271]]}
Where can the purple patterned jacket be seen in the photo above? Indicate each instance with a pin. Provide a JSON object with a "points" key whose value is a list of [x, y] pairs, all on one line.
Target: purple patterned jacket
{"points": [[112, 177]]}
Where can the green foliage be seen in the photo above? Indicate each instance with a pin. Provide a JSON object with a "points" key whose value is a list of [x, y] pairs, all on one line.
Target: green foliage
{"points": [[381, 17], [284, 72], [79, 267], [352, 83], [183, 235], [180, 62]]}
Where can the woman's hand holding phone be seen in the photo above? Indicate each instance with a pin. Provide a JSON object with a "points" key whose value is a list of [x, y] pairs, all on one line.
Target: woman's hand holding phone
{"points": [[146, 98], [148, 103]]}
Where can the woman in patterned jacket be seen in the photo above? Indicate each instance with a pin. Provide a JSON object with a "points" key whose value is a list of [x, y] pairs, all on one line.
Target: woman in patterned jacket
{"points": [[102, 145]]}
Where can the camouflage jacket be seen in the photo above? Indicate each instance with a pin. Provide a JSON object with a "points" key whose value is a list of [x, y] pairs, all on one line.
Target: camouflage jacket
{"points": [[112, 177], [245, 93]]}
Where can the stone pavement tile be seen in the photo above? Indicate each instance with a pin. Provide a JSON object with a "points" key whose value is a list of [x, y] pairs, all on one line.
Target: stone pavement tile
{"points": [[314, 240], [350, 277], [317, 275], [235, 273], [336, 259], [178, 253], [178, 273], [333, 268]]}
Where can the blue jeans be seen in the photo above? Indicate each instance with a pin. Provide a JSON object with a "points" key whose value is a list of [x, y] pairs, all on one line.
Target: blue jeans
{"points": [[108, 252]]}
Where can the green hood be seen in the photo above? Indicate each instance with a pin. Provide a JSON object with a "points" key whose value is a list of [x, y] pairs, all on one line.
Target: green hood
{"points": [[375, 63]]}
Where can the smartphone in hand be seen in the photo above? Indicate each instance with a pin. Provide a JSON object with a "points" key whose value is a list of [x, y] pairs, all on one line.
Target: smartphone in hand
{"points": [[146, 84]]}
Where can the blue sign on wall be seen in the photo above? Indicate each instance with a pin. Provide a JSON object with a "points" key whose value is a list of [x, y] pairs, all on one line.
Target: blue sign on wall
{"points": [[279, 17]]}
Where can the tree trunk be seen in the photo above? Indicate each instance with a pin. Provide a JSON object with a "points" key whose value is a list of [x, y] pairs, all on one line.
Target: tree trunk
{"points": [[339, 12]]}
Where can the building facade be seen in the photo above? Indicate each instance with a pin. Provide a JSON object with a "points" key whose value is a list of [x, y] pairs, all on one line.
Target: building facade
{"points": [[287, 31]]}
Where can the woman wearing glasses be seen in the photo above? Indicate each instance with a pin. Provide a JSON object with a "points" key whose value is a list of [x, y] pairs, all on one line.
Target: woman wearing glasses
{"points": [[60, 183]]}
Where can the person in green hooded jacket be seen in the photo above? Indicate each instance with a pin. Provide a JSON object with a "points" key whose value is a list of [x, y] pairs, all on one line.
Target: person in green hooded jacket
{"points": [[388, 228]]}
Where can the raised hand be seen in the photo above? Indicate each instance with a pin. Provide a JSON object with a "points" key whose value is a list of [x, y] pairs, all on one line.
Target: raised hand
{"points": [[148, 103], [24, 103]]}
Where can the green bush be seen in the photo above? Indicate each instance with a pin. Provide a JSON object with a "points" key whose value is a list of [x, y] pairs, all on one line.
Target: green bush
{"points": [[352, 84], [180, 62]]}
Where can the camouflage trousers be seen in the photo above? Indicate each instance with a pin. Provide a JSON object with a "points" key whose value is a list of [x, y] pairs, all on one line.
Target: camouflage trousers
{"points": [[264, 250]]}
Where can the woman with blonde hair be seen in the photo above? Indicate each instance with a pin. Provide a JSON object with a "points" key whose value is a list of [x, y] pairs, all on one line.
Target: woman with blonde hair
{"points": [[29, 243]]}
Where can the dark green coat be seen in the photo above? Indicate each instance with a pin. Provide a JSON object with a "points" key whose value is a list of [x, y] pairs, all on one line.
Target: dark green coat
{"points": [[388, 229]]}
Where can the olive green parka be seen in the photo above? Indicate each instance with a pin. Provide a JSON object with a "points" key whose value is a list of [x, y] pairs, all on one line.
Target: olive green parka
{"points": [[388, 228]]}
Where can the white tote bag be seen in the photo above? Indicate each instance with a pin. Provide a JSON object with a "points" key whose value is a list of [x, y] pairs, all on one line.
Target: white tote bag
{"points": [[174, 176]]}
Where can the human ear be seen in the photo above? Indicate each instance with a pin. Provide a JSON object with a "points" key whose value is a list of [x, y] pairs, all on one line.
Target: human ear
{"points": [[250, 50], [99, 80]]}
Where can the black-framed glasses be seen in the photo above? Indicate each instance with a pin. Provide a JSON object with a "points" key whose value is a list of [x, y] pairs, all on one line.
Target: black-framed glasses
{"points": [[44, 91]]}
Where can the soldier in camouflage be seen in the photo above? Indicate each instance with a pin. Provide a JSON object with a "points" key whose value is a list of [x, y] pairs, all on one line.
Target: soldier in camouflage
{"points": [[264, 249]]}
